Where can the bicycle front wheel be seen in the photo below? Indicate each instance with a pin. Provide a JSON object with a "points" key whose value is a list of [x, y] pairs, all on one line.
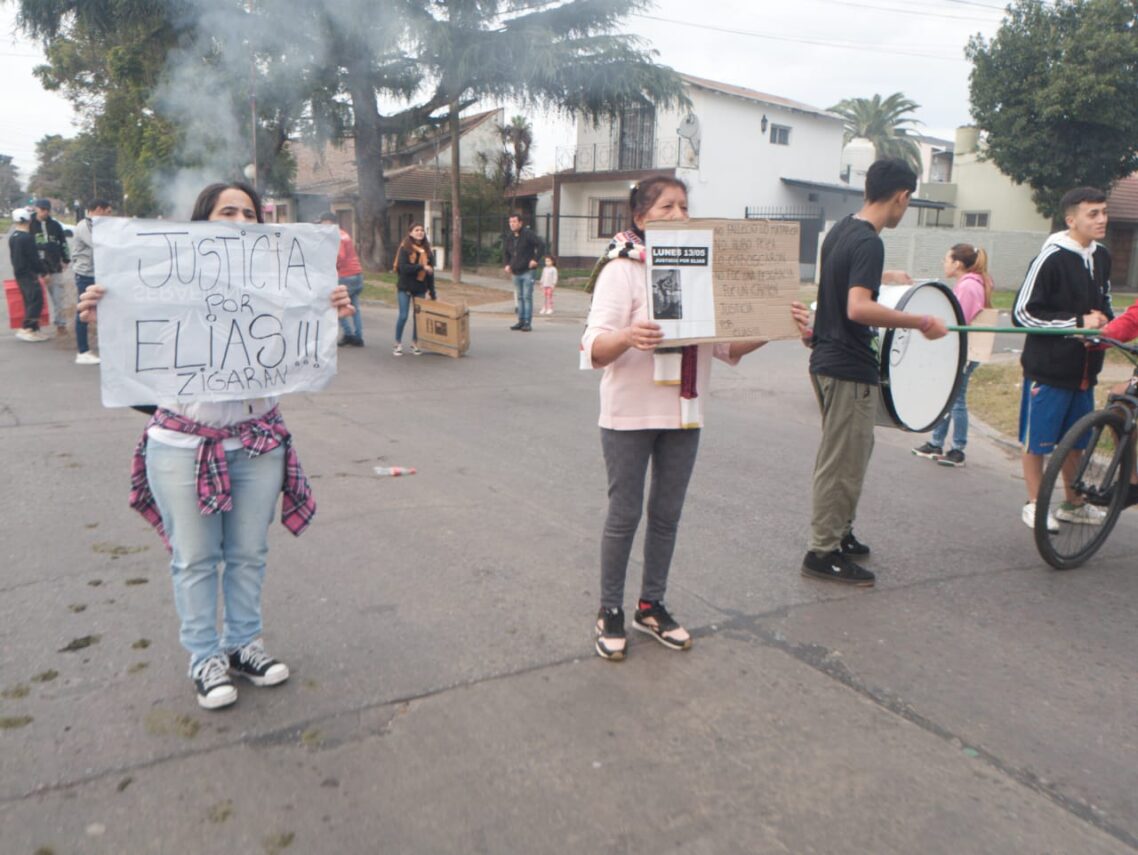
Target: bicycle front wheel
{"points": [[1101, 478]]}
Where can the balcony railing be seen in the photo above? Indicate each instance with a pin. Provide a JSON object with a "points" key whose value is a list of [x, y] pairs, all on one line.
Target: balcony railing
{"points": [[604, 157]]}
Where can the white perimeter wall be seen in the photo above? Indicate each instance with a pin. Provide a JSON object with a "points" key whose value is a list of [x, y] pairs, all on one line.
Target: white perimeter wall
{"points": [[920, 252]]}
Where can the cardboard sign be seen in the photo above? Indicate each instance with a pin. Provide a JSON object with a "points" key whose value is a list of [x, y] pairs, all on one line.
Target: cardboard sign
{"points": [[981, 345], [214, 311], [722, 280]]}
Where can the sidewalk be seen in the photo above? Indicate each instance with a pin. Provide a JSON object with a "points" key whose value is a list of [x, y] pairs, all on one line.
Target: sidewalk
{"points": [[568, 302]]}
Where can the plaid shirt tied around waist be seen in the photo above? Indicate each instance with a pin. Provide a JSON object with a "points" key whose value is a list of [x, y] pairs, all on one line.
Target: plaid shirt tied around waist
{"points": [[258, 436]]}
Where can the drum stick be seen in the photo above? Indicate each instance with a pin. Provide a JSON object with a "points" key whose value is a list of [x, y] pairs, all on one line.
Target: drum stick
{"points": [[1024, 330]]}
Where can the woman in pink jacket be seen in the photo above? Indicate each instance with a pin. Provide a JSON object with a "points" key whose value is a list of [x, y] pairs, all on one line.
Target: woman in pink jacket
{"points": [[646, 415], [969, 266]]}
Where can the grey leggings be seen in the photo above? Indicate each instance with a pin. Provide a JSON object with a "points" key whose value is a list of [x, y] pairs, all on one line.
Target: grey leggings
{"points": [[627, 453]]}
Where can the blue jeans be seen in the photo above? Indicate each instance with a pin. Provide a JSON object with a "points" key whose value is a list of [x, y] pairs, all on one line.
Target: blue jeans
{"points": [[353, 325], [405, 299], [523, 288], [200, 544], [958, 415], [82, 283]]}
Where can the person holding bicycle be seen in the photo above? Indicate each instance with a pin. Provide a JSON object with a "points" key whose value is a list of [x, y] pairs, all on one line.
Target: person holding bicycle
{"points": [[1067, 287]]}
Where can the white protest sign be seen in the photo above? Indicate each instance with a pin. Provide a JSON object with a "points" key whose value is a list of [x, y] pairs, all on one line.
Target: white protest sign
{"points": [[214, 311]]}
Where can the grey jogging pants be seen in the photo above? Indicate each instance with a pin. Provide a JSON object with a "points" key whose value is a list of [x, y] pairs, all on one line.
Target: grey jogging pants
{"points": [[627, 454]]}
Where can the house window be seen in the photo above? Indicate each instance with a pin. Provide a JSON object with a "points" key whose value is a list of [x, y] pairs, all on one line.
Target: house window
{"points": [[780, 135], [637, 138], [974, 220], [610, 217]]}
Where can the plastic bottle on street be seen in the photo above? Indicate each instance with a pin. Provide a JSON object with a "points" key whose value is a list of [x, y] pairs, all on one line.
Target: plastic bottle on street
{"points": [[394, 471]]}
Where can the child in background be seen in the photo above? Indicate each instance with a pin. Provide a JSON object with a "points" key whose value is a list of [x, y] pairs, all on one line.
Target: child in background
{"points": [[548, 283], [969, 265]]}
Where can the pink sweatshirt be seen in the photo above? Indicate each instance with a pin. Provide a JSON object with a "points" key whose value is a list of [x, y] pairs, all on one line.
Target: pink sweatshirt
{"points": [[969, 293], [630, 398]]}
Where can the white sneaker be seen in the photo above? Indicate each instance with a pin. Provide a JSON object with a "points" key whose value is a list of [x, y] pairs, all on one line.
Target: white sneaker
{"points": [[397, 350], [86, 358], [1083, 514], [1029, 518], [25, 334]]}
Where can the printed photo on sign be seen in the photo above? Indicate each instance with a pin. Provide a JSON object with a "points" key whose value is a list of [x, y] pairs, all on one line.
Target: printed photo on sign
{"points": [[214, 311], [667, 295]]}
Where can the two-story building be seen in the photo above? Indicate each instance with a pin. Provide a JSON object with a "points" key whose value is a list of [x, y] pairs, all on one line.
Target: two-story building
{"points": [[742, 153]]}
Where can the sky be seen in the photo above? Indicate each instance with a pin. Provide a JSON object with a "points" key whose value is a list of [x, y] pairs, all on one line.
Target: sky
{"points": [[814, 51]]}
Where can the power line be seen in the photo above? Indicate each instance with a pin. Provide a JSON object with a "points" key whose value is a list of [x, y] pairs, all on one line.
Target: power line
{"points": [[860, 46], [909, 11]]}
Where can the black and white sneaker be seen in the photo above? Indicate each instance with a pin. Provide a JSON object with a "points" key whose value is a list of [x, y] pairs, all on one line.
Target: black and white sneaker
{"points": [[955, 457], [929, 451], [653, 618], [611, 641], [257, 666], [835, 567], [211, 679]]}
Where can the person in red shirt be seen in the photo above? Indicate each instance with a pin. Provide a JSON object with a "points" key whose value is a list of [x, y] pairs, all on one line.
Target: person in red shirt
{"points": [[351, 276]]}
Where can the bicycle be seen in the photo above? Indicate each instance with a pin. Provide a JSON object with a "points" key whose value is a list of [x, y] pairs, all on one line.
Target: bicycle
{"points": [[1101, 476]]}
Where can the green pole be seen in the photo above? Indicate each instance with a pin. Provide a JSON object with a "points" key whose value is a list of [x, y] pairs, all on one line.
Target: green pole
{"points": [[1024, 330]]}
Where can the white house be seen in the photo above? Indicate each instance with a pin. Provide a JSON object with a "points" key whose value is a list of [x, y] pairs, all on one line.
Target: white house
{"points": [[742, 153]]}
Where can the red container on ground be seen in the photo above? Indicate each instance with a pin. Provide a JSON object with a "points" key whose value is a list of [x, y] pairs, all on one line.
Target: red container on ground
{"points": [[16, 305]]}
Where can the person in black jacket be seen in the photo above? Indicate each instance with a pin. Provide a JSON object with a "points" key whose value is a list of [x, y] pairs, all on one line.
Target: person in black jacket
{"points": [[1067, 286], [522, 251], [55, 256], [27, 268], [416, 279]]}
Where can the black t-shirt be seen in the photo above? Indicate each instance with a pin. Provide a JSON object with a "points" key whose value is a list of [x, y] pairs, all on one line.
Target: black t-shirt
{"points": [[852, 254]]}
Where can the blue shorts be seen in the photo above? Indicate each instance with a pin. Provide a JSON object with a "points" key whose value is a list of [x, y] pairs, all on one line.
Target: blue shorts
{"points": [[1047, 412]]}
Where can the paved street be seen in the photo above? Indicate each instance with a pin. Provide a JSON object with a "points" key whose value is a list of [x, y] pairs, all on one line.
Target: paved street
{"points": [[444, 695]]}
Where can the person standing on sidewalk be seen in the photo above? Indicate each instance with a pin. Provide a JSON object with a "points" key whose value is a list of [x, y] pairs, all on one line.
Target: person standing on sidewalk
{"points": [[351, 275], [1067, 287], [969, 266], [522, 251], [27, 269], [55, 255], [844, 367], [83, 261]]}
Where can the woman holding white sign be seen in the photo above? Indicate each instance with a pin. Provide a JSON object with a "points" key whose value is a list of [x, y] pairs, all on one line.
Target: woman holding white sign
{"points": [[643, 420], [207, 476]]}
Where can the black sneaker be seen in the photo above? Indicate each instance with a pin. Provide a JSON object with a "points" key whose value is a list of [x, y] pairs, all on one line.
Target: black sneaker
{"points": [[611, 640], [835, 567], [929, 451], [257, 666], [526, 328], [653, 618], [852, 546], [517, 326], [1131, 496], [211, 679], [953, 458]]}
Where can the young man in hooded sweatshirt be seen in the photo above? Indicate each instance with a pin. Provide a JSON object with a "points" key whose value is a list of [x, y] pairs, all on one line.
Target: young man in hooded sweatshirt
{"points": [[1067, 287]]}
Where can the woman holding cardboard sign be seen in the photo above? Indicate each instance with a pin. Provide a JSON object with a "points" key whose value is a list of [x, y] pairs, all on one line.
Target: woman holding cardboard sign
{"points": [[416, 279], [643, 420], [208, 476]]}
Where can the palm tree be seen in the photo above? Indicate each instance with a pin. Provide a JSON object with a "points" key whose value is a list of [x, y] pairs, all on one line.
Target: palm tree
{"points": [[885, 123]]}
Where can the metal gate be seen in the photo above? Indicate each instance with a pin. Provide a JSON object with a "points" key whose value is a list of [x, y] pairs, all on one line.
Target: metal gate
{"points": [[810, 219]]}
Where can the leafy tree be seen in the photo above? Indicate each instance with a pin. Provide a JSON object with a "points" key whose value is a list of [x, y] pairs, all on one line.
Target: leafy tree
{"points": [[77, 169], [10, 193], [1055, 92], [506, 166], [885, 122], [562, 54]]}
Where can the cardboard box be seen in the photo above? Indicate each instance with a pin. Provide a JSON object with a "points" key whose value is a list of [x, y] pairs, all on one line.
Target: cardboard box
{"points": [[442, 327], [16, 305], [981, 345]]}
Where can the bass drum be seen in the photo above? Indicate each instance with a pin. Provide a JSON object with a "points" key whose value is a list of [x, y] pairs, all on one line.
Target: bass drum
{"points": [[919, 378]]}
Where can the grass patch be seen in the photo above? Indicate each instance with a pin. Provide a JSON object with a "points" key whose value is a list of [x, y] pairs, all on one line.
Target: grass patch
{"points": [[11, 722], [1004, 300], [380, 286]]}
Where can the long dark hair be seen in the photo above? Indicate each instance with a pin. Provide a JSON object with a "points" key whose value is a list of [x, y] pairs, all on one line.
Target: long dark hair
{"points": [[409, 242], [645, 193], [207, 199]]}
